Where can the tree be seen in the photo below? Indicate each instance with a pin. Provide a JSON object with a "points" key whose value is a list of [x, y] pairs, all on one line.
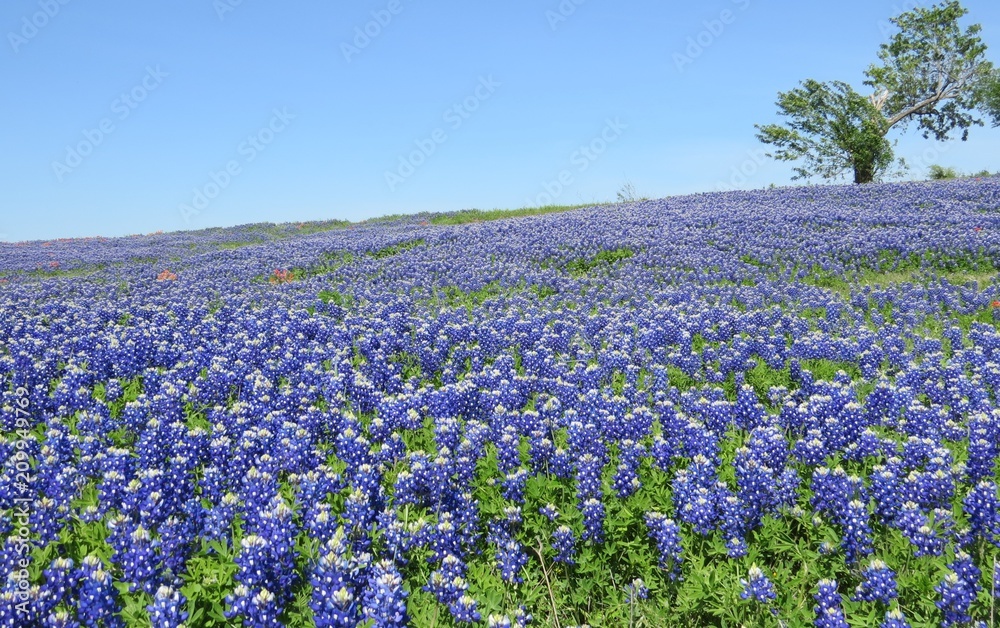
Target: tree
{"points": [[989, 98], [931, 73], [939, 173]]}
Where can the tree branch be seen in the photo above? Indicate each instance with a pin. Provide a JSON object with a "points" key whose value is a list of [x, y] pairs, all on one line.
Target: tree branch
{"points": [[936, 98]]}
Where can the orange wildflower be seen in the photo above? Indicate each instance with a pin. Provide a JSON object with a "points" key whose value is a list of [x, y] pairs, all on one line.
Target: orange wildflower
{"points": [[281, 276]]}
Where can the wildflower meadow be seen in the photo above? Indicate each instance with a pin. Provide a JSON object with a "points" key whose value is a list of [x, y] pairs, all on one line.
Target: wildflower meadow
{"points": [[762, 408]]}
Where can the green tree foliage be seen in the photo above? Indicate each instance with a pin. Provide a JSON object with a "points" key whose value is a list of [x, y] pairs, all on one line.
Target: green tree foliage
{"points": [[989, 97], [938, 173], [931, 72], [832, 128]]}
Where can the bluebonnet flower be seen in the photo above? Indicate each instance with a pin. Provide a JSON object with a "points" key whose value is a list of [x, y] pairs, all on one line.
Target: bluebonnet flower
{"points": [[268, 557], [636, 590], [811, 449], [264, 562], [983, 511], [445, 539], [885, 493], [786, 490], [756, 488], [447, 583], [829, 613], [982, 456], [262, 611], [463, 610], [384, 600], [60, 581], [915, 527], [289, 382], [562, 463], [894, 619], [498, 621], [508, 450], [857, 535], [667, 535], [511, 559], [220, 518], [956, 596], [513, 485], [588, 477], [322, 523], [522, 618], [663, 452], [464, 465], [334, 599], [98, 601], [166, 611], [358, 513], [60, 619], [830, 492], [138, 560], [626, 480], [564, 543], [540, 450], [549, 511], [757, 587], [966, 570], [878, 584], [593, 520]]}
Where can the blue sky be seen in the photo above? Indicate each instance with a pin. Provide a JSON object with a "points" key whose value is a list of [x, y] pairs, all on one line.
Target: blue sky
{"points": [[125, 118]]}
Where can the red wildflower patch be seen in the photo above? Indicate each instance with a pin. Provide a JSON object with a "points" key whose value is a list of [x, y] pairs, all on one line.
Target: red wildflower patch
{"points": [[995, 303], [281, 276]]}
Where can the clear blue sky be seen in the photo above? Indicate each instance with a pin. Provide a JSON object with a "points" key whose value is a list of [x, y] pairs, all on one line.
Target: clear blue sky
{"points": [[308, 116]]}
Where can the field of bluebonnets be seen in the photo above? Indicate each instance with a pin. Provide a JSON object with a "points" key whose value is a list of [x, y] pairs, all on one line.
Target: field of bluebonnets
{"points": [[762, 408]]}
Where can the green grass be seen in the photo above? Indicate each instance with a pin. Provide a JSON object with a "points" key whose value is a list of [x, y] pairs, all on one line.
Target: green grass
{"points": [[229, 246], [482, 215], [319, 226], [291, 229], [582, 266], [79, 271], [397, 248], [891, 268], [453, 296], [340, 299]]}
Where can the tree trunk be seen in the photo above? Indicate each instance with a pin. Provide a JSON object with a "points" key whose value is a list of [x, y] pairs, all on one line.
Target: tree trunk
{"points": [[864, 171]]}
